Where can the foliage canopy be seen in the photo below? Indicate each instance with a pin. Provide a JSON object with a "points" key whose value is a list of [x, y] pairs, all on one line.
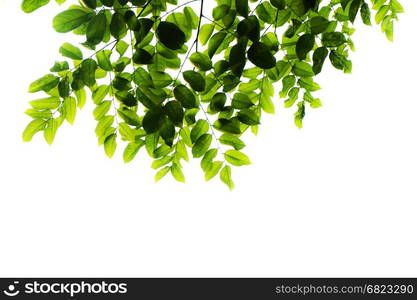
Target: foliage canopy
{"points": [[168, 78]]}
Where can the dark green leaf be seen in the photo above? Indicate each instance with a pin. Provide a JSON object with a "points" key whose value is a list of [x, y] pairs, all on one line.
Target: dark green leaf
{"points": [[304, 45], [170, 35], [260, 55], [333, 39], [96, 29], [118, 27], [195, 80], [185, 96], [319, 57]]}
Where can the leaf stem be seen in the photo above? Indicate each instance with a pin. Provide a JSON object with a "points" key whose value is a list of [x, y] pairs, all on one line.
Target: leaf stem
{"points": [[199, 25]]}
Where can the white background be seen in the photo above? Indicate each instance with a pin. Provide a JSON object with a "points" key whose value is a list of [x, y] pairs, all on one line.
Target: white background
{"points": [[337, 198]]}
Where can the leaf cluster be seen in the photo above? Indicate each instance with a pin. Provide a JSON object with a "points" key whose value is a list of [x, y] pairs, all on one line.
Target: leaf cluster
{"points": [[177, 81]]}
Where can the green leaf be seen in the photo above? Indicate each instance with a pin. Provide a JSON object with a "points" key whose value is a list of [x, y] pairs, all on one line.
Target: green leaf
{"points": [[152, 121], [121, 84], [207, 160], [129, 116], [218, 102], [32, 128], [103, 60], [200, 128], [96, 29], [215, 41], [127, 98], [192, 18], [142, 57], [213, 170], [170, 35], [132, 150], [161, 173], [201, 60], [241, 101], [339, 61], [100, 93], [236, 158], [318, 24], [185, 96], [71, 19], [226, 177], [118, 26], [280, 4], [242, 7], [45, 103], [90, 3], [64, 88], [353, 10], [202, 145], [29, 6], [270, 39], [228, 126], [101, 110], [195, 80], [181, 150], [249, 28], [299, 115], [81, 98], [302, 69], [121, 47], [205, 33], [333, 39], [366, 14], [177, 173], [167, 131], [175, 112], [396, 7], [220, 11], [232, 140], [60, 66], [266, 104], [160, 79], [382, 12], [126, 132], [88, 72], [304, 45], [70, 108], [266, 12], [248, 117], [50, 130], [237, 57], [308, 84], [70, 51], [45, 83], [110, 145], [260, 55], [158, 163], [319, 57], [38, 114], [300, 7], [103, 125], [287, 83]]}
